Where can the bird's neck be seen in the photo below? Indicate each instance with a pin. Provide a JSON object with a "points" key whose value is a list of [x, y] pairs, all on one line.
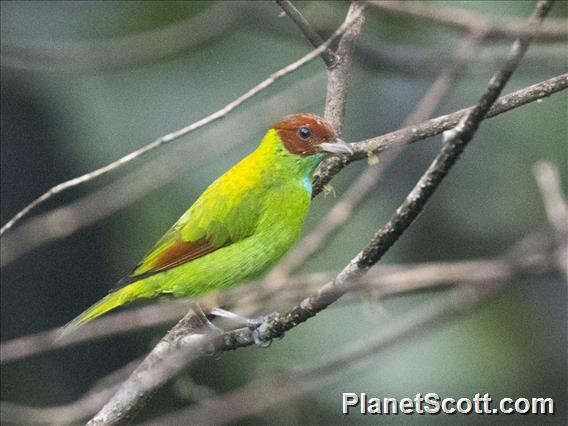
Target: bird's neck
{"points": [[284, 165]]}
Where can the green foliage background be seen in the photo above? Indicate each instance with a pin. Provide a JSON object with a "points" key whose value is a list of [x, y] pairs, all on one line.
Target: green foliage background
{"points": [[58, 123]]}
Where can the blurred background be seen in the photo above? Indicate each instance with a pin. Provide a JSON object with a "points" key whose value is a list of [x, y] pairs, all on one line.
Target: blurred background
{"points": [[84, 83]]}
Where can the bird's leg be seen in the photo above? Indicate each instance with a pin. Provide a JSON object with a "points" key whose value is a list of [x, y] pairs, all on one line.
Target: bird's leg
{"points": [[249, 322], [203, 317], [252, 323]]}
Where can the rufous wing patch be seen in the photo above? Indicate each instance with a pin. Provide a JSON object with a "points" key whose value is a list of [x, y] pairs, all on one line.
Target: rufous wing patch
{"points": [[181, 252], [177, 253]]}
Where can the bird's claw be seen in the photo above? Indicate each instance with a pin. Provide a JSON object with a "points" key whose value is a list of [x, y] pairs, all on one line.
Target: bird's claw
{"points": [[254, 324], [258, 341]]}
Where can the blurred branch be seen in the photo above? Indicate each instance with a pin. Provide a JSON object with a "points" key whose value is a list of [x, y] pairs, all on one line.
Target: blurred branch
{"points": [[548, 180], [70, 413], [390, 280], [183, 343], [328, 55], [97, 55], [497, 27], [367, 180], [73, 412], [332, 165], [178, 133], [409, 60]]}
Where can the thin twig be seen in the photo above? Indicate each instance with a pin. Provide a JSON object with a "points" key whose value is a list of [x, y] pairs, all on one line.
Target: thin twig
{"points": [[116, 52], [178, 133], [328, 55], [548, 180], [497, 27]]}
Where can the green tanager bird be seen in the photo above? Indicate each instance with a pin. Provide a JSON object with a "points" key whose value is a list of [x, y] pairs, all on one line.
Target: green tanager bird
{"points": [[241, 225]]}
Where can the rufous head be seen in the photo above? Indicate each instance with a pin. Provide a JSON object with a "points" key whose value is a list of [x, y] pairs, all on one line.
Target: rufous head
{"points": [[307, 134]]}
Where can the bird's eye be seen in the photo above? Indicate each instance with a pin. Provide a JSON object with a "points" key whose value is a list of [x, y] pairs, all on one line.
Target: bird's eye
{"points": [[304, 132]]}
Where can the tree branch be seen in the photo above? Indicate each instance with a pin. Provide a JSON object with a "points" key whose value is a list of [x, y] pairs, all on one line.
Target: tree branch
{"points": [[548, 180]]}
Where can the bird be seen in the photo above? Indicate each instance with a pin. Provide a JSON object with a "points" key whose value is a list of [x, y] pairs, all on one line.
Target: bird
{"points": [[240, 226]]}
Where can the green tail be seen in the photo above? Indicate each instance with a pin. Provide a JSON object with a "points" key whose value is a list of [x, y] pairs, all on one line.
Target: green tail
{"points": [[106, 304]]}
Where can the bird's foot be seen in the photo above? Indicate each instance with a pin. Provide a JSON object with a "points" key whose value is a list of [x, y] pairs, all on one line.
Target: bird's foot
{"points": [[252, 323], [258, 341]]}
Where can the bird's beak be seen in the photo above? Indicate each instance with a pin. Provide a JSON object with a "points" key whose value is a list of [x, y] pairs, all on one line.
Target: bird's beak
{"points": [[337, 147]]}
